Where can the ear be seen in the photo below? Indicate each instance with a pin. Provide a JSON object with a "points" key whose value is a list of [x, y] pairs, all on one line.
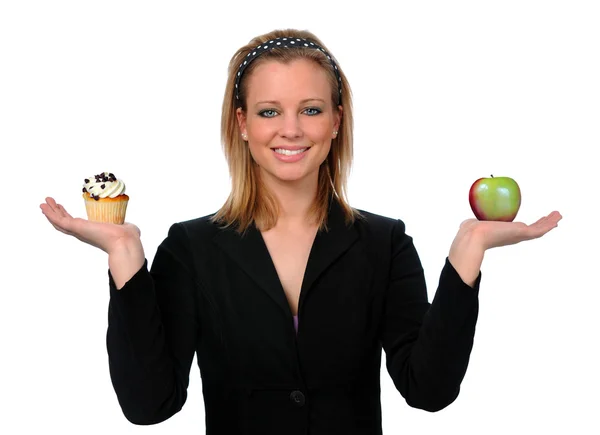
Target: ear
{"points": [[241, 119], [338, 118]]}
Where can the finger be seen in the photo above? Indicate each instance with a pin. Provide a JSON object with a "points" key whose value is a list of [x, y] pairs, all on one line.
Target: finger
{"points": [[549, 221], [554, 220], [57, 227], [540, 220], [64, 212], [56, 211], [541, 228], [56, 217], [48, 211], [51, 203], [556, 216], [61, 211]]}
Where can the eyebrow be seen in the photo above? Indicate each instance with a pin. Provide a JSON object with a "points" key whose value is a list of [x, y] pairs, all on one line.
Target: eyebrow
{"points": [[275, 102]]}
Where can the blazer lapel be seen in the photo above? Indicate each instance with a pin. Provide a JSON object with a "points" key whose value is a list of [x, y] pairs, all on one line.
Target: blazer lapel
{"points": [[250, 253], [327, 247]]}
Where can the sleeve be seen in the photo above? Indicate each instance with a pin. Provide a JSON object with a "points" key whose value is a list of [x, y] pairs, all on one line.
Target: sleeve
{"points": [[427, 346], [152, 333]]}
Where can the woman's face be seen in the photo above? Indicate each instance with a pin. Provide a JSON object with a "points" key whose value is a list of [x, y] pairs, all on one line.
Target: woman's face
{"points": [[290, 120]]}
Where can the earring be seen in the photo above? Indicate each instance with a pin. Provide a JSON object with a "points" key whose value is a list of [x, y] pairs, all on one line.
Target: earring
{"points": [[335, 133], [244, 136]]}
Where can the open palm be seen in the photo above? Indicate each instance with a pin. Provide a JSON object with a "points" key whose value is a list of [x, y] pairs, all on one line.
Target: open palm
{"points": [[104, 236], [495, 233]]}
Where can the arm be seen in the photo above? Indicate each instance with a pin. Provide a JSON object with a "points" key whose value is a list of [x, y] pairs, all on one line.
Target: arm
{"points": [[427, 345], [466, 253], [125, 260], [152, 330]]}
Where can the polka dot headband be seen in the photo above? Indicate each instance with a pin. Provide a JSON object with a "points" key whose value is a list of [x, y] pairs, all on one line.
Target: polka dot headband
{"points": [[286, 43]]}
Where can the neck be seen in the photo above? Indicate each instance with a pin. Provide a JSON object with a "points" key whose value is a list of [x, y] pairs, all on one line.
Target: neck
{"points": [[295, 199]]}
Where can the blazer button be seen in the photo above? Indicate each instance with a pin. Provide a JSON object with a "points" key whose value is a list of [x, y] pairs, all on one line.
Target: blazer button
{"points": [[298, 398]]}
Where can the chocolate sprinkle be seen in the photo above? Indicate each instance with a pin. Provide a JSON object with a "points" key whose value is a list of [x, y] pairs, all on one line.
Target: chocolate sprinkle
{"points": [[103, 177]]}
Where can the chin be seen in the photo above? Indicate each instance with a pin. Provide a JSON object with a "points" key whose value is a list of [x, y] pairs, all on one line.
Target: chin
{"points": [[290, 177], [291, 174]]}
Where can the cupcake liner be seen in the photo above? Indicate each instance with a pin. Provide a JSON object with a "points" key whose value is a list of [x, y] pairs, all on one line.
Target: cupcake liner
{"points": [[106, 210]]}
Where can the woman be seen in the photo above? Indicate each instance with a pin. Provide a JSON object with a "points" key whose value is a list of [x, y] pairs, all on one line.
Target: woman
{"points": [[287, 294]]}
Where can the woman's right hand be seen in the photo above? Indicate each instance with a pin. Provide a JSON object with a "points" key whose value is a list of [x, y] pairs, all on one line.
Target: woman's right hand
{"points": [[105, 236]]}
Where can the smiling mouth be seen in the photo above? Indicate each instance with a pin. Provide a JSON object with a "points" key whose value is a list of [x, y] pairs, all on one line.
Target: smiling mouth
{"points": [[289, 152]]}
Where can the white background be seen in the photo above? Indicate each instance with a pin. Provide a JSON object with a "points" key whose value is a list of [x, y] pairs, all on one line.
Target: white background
{"points": [[445, 93]]}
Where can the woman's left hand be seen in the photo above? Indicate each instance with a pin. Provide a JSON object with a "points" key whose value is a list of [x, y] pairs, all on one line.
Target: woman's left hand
{"points": [[493, 234], [475, 237]]}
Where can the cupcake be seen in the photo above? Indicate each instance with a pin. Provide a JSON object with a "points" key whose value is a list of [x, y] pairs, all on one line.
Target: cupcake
{"points": [[105, 198]]}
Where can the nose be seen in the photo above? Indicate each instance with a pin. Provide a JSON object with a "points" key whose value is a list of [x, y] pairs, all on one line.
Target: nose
{"points": [[290, 126]]}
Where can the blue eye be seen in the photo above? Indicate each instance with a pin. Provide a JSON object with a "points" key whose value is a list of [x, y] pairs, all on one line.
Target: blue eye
{"points": [[269, 113], [312, 111]]}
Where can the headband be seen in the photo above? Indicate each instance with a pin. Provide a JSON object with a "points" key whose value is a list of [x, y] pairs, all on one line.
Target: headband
{"points": [[286, 43]]}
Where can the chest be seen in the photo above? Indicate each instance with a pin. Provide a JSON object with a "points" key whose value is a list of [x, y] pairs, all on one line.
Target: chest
{"points": [[251, 285], [289, 252]]}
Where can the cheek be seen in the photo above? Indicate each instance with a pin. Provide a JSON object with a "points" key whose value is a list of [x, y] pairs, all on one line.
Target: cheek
{"points": [[256, 151], [261, 131], [320, 131], [326, 150]]}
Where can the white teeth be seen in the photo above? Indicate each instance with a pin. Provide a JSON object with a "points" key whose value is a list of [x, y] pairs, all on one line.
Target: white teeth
{"points": [[288, 152]]}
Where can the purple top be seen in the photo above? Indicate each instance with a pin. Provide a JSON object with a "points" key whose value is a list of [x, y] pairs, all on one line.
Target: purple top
{"points": [[296, 323]]}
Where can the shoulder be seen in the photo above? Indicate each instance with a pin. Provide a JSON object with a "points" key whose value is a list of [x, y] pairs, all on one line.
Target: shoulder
{"points": [[373, 224], [381, 236], [383, 240], [200, 228], [191, 238], [384, 232]]}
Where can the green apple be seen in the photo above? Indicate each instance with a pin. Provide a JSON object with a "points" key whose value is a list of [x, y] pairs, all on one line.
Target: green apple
{"points": [[495, 199]]}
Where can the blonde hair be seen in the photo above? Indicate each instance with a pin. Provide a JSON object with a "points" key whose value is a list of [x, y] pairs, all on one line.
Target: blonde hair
{"points": [[249, 201]]}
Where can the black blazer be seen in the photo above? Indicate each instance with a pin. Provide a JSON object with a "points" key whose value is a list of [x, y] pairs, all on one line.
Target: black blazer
{"points": [[217, 294]]}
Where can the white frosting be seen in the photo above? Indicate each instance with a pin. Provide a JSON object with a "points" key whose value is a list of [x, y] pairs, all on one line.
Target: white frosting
{"points": [[103, 186]]}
